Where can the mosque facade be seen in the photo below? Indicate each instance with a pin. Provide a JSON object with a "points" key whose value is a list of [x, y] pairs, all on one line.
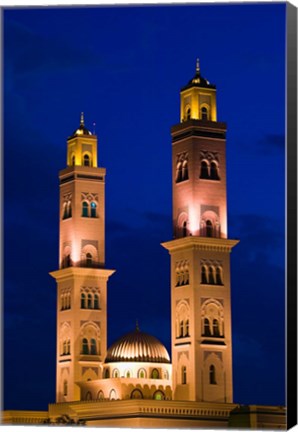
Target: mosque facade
{"points": [[134, 383]]}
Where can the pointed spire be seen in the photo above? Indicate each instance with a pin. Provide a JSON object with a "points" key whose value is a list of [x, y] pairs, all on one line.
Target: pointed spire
{"points": [[137, 325], [198, 66], [82, 119]]}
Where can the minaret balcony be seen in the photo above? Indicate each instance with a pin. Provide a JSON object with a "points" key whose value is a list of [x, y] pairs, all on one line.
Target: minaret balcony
{"points": [[83, 263]]}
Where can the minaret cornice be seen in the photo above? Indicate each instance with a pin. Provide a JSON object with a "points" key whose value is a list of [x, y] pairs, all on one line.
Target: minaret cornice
{"points": [[83, 272], [202, 125], [200, 243]]}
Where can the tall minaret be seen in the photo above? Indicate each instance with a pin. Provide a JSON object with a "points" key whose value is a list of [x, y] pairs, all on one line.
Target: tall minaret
{"points": [[81, 278], [200, 251]]}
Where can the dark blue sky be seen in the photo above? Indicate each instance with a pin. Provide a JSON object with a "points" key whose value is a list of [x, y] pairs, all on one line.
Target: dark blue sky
{"points": [[124, 67]]}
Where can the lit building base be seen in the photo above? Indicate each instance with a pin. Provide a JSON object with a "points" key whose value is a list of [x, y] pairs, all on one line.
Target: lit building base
{"points": [[157, 414]]}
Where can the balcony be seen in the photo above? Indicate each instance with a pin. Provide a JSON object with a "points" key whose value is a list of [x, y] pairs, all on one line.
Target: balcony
{"points": [[87, 263]]}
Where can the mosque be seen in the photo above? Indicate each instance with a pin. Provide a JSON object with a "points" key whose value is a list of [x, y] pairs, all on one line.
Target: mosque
{"points": [[134, 383]]}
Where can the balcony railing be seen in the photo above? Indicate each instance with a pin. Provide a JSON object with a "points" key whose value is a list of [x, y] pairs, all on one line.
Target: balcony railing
{"points": [[87, 263]]}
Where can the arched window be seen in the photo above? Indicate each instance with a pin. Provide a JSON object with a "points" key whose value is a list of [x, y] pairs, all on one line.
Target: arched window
{"points": [[88, 259], [187, 328], [67, 261], [69, 209], [64, 347], [68, 301], [128, 374], [185, 170], [183, 375], [159, 395], [204, 170], [83, 301], [207, 331], [179, 172], [113, 395], [155, 374], [106, 373], [212, 375], [204, 275], [214, 171], [88, 396], [181, 326], [141, 373], [93, 209], [86, 160], [115, 373], [211, 280], [93, 349], [218, 276], [216, 328], [136, 394], [209, 228], [188, 114], [186, 277], [89, 301], [184, 229], [73, 160], [85, 346], [204, 113], [100, 395], [65, 388], [68, 347], [64, 211], [96, 301], [85, 209]]}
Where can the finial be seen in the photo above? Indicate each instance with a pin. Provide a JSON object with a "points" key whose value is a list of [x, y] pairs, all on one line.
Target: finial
{"points": [[94, 126], [198, 66], [137, 325], [82, 119]]}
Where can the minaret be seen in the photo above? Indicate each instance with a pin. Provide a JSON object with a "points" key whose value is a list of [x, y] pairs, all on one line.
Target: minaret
{"points": [[200, 251], [81, 278]]}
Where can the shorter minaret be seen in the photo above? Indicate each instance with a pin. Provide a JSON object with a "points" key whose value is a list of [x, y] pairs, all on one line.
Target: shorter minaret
{"points": [[81, 278], [200, 251]]}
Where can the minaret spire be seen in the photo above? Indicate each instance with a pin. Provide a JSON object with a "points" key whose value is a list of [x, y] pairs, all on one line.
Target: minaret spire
{"points": [[198, 66], [82, 119]]}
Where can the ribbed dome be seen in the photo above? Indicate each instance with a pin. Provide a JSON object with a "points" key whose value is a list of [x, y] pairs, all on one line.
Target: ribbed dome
{"points": [[137, 347]]}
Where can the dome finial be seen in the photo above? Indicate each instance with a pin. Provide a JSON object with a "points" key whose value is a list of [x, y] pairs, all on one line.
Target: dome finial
{"points": [[137, 325], [82, 119], [198, 66]]}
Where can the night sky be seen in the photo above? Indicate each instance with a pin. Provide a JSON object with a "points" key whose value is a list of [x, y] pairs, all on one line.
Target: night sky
{"points": [[124, 67]]}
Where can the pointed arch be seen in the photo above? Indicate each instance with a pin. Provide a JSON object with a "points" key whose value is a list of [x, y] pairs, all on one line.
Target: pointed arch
{"points": [[86, 159], [211, 277], [214, 171], [185, 170], [212, 374], [204, 279], [204, 170], [179, 172], [205, 112], [136, 394], [212, 313], [85, 209]]}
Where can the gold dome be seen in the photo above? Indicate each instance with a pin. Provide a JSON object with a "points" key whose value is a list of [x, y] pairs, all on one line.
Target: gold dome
{"points": [[137, 346]]}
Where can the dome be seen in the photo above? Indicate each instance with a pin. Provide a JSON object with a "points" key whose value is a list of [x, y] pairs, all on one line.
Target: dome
{"points": [[82, 130], [198, 80], [137, 347]]}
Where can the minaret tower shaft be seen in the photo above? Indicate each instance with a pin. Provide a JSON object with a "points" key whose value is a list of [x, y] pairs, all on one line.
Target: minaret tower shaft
{"points": [[200, 251], [81, 278]]}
